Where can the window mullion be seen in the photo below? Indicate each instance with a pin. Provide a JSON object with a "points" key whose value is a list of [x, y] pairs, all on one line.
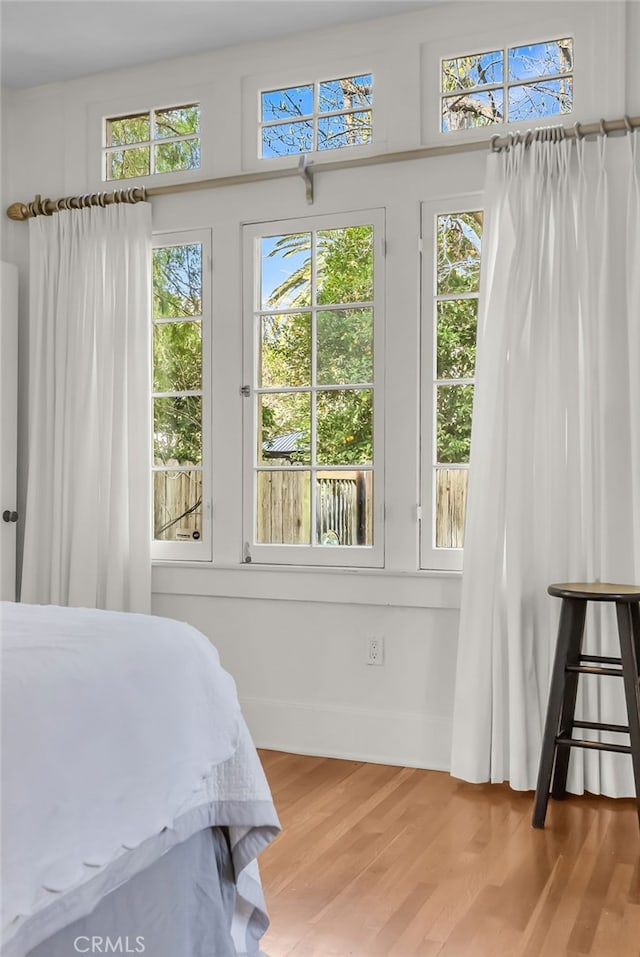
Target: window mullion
{"points": [[315, 122], [152, 152], [177, 395]]}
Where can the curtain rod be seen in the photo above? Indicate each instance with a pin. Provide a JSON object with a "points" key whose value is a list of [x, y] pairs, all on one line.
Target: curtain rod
{"points": [[20, 212]]}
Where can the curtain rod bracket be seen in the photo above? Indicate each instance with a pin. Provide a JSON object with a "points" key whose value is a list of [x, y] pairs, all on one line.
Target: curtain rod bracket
{"points": [[305, 171]]}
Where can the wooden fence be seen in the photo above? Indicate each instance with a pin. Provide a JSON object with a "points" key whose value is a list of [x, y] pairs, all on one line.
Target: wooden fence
{"points": [[177, 505], [451, 499], [344, 512], [343, 506], [283, 516]]}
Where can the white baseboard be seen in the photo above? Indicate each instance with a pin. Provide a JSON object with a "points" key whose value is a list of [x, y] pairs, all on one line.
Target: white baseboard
{"points": [[407, 739]]}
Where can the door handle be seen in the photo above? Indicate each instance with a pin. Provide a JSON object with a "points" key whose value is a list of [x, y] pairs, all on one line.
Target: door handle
{"points": [[9, 516]]}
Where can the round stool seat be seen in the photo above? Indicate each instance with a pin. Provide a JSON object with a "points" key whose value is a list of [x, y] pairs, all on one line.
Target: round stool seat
{"points": [[596, 591]]}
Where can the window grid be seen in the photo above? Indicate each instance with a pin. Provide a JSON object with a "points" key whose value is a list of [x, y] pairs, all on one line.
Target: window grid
{"points": [[312, 120], [312, 389], [458, 112], [178, 399], [311, 346], [454, 304], [150, 145], [314, 386]]}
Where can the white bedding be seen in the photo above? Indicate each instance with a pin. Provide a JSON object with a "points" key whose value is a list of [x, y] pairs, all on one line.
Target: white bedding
{"points": [[116, 729]]}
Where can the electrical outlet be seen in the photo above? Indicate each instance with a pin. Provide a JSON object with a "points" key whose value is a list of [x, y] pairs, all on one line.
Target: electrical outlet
{"points": [[375, 651]]}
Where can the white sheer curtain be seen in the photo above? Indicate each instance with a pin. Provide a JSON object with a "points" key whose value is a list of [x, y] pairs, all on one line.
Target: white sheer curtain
{"points": [[555, 462], [86, 538]]}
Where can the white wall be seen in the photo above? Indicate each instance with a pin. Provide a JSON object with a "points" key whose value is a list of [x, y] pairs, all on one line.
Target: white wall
{"points": [[295, 639]]}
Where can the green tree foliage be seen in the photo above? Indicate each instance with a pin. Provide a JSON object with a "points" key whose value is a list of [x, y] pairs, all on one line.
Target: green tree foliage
{"points": [[344, 339], [131, 132], [343, 260], [177, 354], [458, 273]]}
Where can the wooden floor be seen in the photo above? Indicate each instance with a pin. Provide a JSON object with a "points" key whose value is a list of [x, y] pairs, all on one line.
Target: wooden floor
{"points": [[378, 861]]}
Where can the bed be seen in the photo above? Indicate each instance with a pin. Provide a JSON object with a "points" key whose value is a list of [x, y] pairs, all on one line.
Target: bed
{"points": [[134, 806]]}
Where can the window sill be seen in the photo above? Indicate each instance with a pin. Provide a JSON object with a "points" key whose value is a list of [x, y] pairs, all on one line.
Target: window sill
{"points": [[351, 586]]}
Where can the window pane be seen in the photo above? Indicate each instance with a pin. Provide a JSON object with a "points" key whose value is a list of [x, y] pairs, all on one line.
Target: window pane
{"points": [[177, 357], [466, 111], [283, 507], [124, 164], [345, 427], [349, 129], [177, 506], [184, 154], [284, 427], [346, 94], [177, 281], [345, 265], [285, 357], [285, 138], [458, 252], [177, 429], [454, 407], [179, 121], [344, 508], [286, 270], [467, 72], [127, 130], [451, 505], [543, 98], [456, 338], [283, 104], [541, 59], [344, 346]]}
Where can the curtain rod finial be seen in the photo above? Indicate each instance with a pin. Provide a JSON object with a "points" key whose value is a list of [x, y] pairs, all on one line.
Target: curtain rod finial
{"points": [[18, 212]]}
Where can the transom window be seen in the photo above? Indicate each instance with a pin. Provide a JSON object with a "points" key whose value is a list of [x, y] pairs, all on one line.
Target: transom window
{"points": [[180, 303], [330, 114], [507, 86], [314, 434], [158, 141]]}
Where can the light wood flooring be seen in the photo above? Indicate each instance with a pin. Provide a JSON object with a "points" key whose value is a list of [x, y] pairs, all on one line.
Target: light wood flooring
{"points": [[379, 861]]}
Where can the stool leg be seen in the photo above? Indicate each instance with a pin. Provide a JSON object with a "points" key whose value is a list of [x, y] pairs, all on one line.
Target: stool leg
{"points": [[635, 629], [629, 634], [572, 615], [559, 785]]}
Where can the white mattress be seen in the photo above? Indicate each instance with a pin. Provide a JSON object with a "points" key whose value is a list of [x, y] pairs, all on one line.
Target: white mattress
{"points": [[121, 736]]}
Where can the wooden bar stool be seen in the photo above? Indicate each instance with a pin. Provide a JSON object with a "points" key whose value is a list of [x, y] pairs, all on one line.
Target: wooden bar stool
{"points": [[569, 664]]}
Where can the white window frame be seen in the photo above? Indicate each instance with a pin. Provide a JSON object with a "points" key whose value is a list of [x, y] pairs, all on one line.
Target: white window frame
{"points": [[201, 550], [361, 556], [85, 161], [286, 77], [432, 558]]}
